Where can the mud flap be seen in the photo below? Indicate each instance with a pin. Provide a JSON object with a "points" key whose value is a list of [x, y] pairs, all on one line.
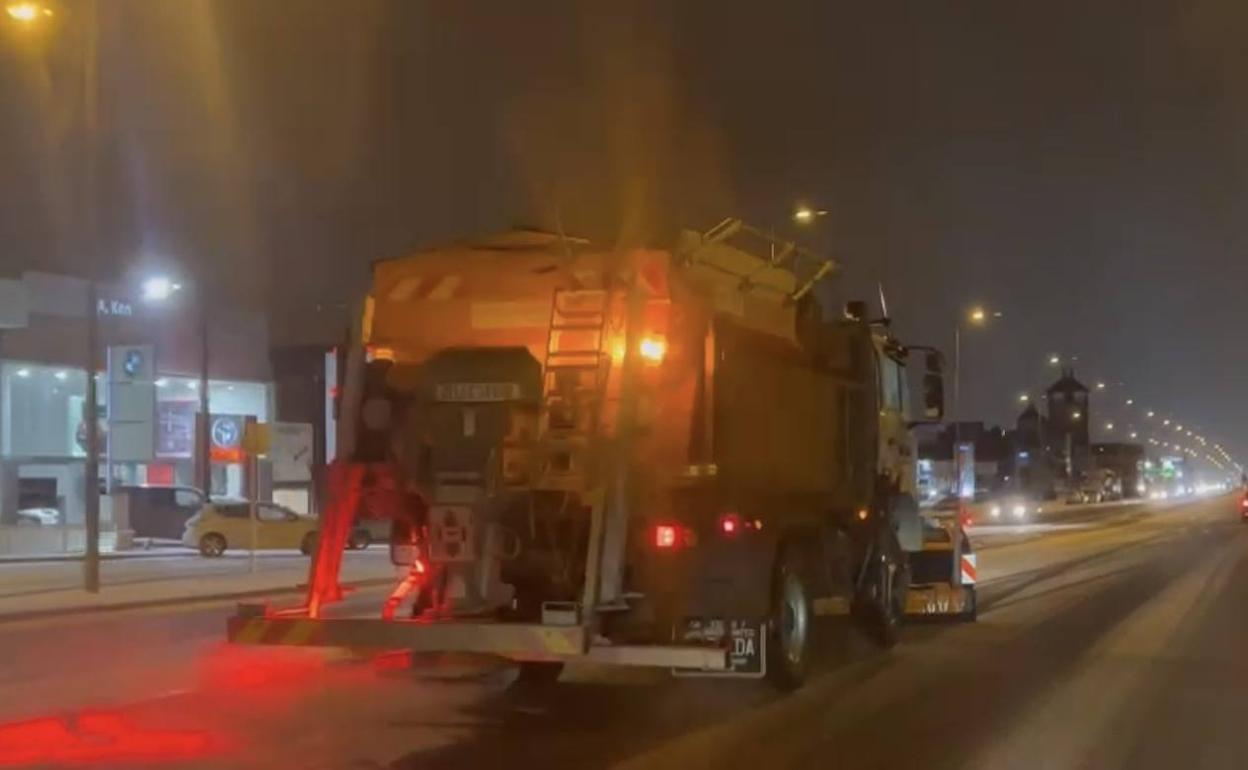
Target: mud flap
{"points": [[745, 640]]}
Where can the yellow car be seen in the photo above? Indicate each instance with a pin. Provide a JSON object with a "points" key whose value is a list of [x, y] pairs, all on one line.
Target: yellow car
{"points": [[223, 524]]}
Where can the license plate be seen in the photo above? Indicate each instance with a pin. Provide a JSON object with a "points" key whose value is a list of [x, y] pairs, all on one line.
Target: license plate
{"points": [[745, 641], [477, 391]]}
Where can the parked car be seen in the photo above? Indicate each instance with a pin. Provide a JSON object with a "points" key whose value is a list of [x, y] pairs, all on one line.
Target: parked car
{"points": [[38, 517], [224, 524], [161, 512]]}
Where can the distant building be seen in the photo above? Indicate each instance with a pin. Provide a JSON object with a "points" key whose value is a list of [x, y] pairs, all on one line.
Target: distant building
{"points": [[1066, 432], [1031, 469], [936, 467]]}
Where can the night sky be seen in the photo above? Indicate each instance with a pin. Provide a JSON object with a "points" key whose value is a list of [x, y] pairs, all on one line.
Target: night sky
{"points": [[1079, 166]]}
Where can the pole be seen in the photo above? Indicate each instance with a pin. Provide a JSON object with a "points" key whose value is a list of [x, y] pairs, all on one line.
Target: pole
{"points": [[957, 409], [91, 468], [203, 456], [253, 492]]}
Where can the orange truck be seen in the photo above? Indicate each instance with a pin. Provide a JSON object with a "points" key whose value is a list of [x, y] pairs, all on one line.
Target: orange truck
{"points": [[663, 457]]}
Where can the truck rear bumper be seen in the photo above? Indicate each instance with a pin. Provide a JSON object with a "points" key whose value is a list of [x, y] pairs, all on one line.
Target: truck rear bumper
{"points": [[515, 641], [938, 599]]}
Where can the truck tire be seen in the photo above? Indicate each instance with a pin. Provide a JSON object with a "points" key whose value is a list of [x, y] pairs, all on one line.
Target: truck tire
{"points": [[308, 545], [789, 627], [212, 545], [881, 601], [360, 539]]}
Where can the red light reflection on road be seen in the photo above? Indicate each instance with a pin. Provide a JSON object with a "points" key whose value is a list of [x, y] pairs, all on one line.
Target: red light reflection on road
{"points": [[227, 668], [92, 737]]}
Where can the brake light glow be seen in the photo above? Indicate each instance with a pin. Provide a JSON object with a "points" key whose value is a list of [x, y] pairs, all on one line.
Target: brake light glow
{"points": [[730, 524], [672, 537], [665, 536]]}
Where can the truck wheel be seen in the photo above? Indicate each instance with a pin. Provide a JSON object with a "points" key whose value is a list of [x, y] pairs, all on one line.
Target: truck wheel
{"points": [[308, 544], [212, 545], [788, 629], [882, 600], [360, 539]]}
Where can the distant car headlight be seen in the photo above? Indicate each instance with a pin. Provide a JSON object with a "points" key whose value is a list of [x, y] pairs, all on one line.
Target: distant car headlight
{"points": [[995, 511], [1020, 511]]}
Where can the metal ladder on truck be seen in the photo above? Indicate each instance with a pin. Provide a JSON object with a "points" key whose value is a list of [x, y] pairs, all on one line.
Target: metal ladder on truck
{"points": [[574, 383]]}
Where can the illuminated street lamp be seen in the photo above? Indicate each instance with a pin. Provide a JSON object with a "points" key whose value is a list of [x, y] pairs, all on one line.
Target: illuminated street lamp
{"points": [[805, 215], [1054, 360], [976, 316], [1023, 398], [27, 12], [1109, 426], [159, 288], [1100, 386], [1150, 414], [1134, 435], [1076, 415]]}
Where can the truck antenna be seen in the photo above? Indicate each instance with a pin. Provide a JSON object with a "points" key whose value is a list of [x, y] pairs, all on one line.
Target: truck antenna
{"points": [[883, 302], [563, 238]]}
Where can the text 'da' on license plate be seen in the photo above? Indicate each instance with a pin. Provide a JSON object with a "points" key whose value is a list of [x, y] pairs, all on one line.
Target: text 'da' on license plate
{"points": [[745, 641]]}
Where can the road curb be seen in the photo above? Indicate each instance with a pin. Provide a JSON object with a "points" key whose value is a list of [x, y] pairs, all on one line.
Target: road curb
{"points": [[173, 601], [122, 556]]}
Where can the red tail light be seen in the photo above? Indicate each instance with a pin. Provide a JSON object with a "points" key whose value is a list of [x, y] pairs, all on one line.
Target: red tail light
{"points": [[730, 524], [665, 536], [671, 537]]}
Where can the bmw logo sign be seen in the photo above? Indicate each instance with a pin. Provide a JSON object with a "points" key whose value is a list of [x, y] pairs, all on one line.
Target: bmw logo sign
{"points": [[225, 433], [132, 363]]}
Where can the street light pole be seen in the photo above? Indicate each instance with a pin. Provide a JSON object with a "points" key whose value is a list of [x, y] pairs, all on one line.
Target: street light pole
{"points": [[91, 468], [957, 408], [203, 446], [977, 316]]}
